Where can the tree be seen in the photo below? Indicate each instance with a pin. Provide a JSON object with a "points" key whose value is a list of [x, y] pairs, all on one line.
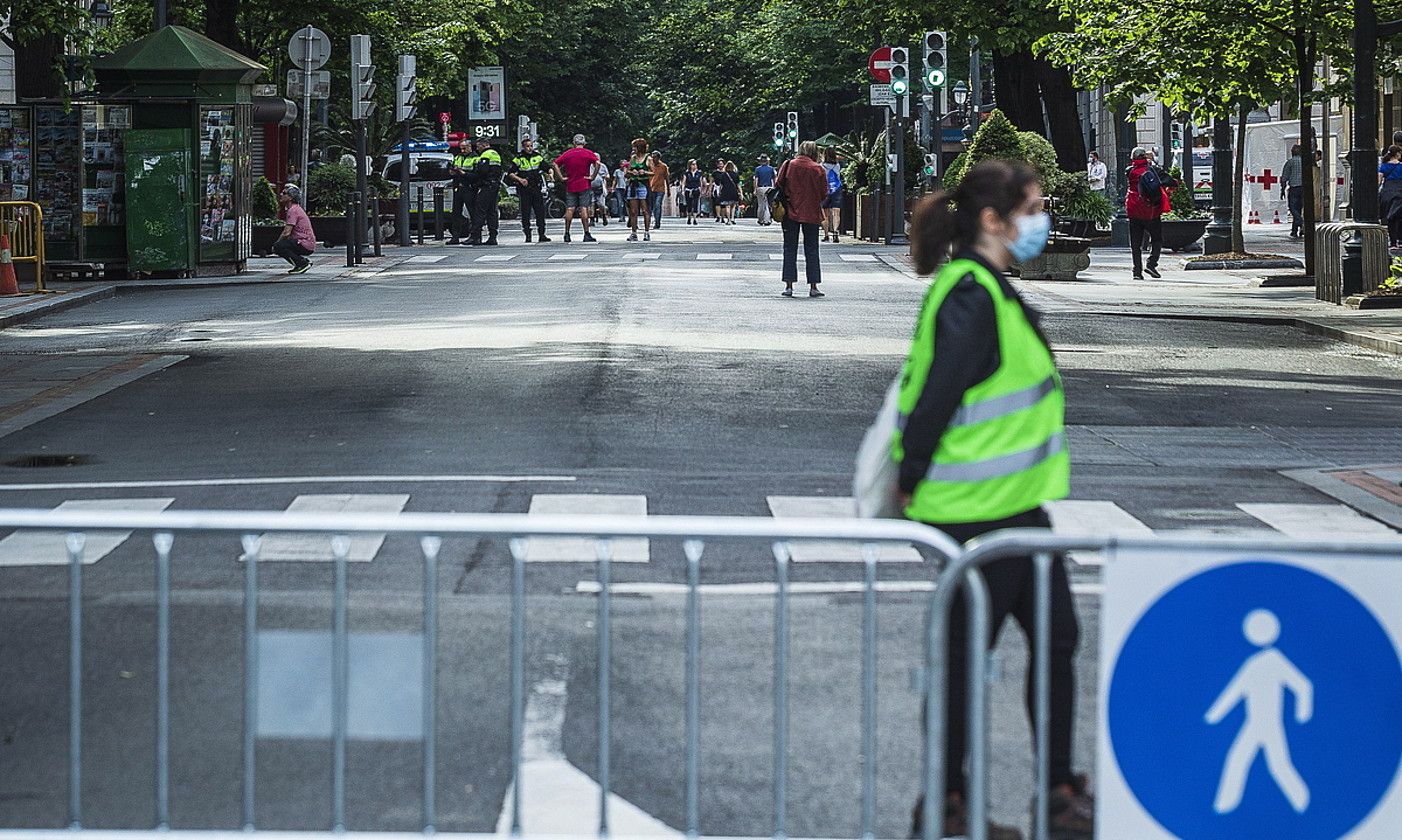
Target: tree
{"points": [[1209, 57]]}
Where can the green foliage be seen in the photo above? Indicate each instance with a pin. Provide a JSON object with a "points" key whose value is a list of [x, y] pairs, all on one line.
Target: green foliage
{"points": [[1078, 201], [1038, 152], [866, 163], [997, 138], [1180, 200], [263, 201], [329, 187]]}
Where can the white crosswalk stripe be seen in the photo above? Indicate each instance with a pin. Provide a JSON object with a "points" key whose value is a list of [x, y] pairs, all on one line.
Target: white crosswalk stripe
{"points": [[1320, 521], [570, 257], [495, 258], [1091, 518], [427, 258], [820, 551], [857, 257], [584, 549], [714, 257], [317, 547], [49, 548]]}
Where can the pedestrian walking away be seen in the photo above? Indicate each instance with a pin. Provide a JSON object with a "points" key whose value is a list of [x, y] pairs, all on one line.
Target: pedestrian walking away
{"points": [[464, 174], [657, 188], [1146, 201], [981, 447], [528, 171], [298, 240], [488, 172], [805, 188], [763, 182], [725, 193], [1390, 194], [1097, 173], [832, 204], [639, 175], [620, 190], [577, 168], [692, 181], [1292, 185], [600, 186]]}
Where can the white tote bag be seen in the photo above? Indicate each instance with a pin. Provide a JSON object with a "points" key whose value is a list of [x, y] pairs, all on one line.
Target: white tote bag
{"points": [[874, 481]]}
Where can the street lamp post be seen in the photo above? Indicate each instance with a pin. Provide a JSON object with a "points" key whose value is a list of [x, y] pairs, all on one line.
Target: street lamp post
{"points": [[1363, 188], [960, 92], [1219, 231]]}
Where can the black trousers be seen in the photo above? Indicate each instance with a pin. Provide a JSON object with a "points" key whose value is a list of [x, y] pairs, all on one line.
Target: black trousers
{"points": [[532, 204], [1294, 200], [292, 252], [1138, 229], [464, 198], [810, 251], [1011, 590], [486, 213]]}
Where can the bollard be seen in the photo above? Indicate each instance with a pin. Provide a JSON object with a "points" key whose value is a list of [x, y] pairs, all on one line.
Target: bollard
{"points": [[420, 220], [350, 236], [376, 235], [438, 213]]}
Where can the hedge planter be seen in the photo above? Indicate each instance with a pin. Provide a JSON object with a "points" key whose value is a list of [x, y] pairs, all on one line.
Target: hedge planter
{"points": [[330, 230], [1179, 234], [263, 238]]}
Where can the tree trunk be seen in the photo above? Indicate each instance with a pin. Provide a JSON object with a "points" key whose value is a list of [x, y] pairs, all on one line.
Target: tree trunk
{"points": [[37, 75], [221, 23], [1016, 91], [1304, 71], [1063, 117], [1239, 181]]}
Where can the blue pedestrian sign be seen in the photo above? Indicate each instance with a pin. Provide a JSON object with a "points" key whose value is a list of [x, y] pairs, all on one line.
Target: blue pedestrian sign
{"points": [[1251, 698]]}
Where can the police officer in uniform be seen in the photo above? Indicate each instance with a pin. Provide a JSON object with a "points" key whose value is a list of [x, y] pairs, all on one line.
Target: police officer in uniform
{"points": [[981, 445], [488, 171], [464, 191], [528, 174]]}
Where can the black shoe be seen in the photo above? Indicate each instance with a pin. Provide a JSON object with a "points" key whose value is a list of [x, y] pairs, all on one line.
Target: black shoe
{"points": [[452, 241], [589, 238], [1137, 277], [491, 241], [787, 293], [815, 293], [567, 236], [544, 238], [528, 237], [1152, 272]]}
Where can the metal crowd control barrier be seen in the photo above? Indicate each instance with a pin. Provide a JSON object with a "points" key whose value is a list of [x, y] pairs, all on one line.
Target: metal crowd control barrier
{"points": [[1329, 252], [27, 238], [431, 529], [1038, 547]]}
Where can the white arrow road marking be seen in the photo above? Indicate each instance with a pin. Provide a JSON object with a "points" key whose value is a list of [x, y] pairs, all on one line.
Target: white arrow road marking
{"points": [[558, 798]]}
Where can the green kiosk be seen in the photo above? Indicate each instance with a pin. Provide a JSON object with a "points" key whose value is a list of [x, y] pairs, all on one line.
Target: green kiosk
{"points": [[182, 156]]}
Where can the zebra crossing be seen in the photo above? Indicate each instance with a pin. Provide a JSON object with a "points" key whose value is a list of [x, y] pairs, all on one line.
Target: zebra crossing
{"points": [[1073, 517], [852, 260]]}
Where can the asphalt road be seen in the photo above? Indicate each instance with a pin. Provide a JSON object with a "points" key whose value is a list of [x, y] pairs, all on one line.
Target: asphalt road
{"points": [[681, 378]]}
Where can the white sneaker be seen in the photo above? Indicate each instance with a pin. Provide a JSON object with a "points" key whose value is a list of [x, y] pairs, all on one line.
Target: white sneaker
{"points": [[632, 237], [647, 237]]}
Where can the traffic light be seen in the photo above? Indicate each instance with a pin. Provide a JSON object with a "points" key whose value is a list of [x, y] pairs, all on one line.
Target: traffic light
{"points": [[900, 71], [1176, 131], [792, 126], [779, 135], [929, 169], [362, 78], [936, 60], [406, 93]]}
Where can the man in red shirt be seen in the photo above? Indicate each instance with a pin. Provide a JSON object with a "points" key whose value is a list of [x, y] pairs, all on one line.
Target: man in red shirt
{"points": [[577, 168], [1145, 215]]}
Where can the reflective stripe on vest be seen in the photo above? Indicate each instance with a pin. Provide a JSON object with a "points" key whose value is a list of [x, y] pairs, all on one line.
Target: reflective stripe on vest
{"points": [[1000, 466], [1004, 449]]}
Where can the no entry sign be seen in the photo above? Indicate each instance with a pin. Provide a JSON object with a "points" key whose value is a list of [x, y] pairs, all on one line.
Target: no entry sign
{"points": [[879, 64]]}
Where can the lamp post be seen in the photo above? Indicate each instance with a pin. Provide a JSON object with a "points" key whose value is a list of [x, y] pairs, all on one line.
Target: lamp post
{"points": [[100, 13], [1219, 230], [960, 92], [1363, 190]]}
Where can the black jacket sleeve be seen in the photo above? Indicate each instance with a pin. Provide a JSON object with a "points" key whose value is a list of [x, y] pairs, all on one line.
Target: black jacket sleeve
{"points": [[966, 353]]}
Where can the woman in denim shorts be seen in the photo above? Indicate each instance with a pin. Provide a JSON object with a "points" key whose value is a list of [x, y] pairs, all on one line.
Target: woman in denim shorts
{"points": [[639, 173]]}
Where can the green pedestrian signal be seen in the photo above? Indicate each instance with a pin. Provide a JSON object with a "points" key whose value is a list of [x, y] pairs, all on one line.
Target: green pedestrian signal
{"points": [[900, 71], [936, 59]]}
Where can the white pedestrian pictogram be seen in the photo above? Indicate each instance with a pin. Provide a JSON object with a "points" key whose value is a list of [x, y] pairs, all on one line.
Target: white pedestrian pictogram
{"points": [[1261, 683]]}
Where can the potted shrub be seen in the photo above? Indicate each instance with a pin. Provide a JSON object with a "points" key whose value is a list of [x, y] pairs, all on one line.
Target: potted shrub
{"points": [[329, 187], [1387, 294], [1184, 224], [267, 227], [1082, 211]]}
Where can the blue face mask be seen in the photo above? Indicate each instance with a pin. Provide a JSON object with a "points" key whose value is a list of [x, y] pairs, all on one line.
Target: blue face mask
{"points": [[1031, 239]]}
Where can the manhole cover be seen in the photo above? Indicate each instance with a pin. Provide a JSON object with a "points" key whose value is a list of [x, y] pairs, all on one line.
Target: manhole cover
{"points": [[49, 460]]}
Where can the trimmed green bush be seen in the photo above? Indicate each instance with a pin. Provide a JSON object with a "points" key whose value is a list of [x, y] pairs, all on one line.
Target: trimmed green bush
{"points": [[329, 187]]}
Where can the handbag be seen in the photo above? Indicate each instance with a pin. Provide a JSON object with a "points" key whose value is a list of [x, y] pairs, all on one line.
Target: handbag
{"points": [[876, 477], [778, 196]]}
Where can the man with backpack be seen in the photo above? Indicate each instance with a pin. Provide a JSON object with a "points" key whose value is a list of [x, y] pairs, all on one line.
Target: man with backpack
{"points": [[1145, 203]]}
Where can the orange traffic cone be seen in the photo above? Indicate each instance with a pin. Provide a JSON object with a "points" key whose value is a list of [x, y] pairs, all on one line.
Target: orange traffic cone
{"points": [[9, 284], [1277, 218], [1254, 218]]}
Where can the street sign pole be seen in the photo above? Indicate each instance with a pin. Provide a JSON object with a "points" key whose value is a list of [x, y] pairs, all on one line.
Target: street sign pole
{"points": [[308, 37]]}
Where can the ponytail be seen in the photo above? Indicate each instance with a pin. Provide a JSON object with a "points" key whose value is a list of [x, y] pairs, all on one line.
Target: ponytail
{"points": [[951, 219]]}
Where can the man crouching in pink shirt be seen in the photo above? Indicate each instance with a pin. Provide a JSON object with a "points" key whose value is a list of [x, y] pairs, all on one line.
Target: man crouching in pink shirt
{"points": [[298, 241]]}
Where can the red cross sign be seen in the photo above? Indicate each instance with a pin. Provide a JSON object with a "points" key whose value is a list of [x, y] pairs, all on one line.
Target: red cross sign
{"points": [[1267, 180]]}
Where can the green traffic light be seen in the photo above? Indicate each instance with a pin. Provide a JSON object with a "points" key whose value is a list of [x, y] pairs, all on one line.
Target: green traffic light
{"points": [[899, 87], [935, 78]]}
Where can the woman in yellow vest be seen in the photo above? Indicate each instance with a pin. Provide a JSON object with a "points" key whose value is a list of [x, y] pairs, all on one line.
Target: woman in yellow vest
{"points": [[981, 443]]}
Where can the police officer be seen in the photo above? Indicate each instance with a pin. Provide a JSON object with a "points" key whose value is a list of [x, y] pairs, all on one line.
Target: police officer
{"points": [[981, 446], [488, 171], [464, 191], [528, 174]]}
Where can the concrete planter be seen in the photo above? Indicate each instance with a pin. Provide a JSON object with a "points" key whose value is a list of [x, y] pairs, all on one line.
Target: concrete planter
{"points": [[1064, 258]]}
